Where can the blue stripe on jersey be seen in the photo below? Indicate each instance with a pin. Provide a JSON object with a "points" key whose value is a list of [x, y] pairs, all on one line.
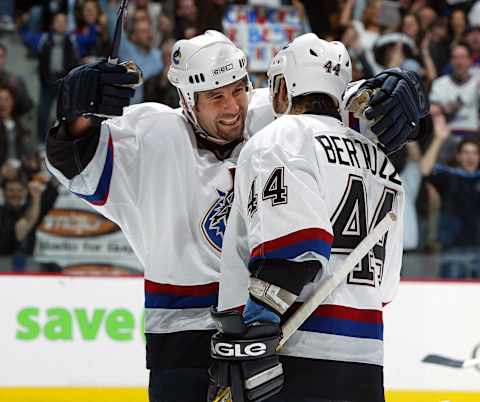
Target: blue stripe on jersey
{"points": [[155, 300], [290, 252], [99, 197], [338, 326]]}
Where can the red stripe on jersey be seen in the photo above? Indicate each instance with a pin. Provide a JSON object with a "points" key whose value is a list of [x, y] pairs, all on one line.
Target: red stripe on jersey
{"points": [[238, 309], [292, 238], [181, 290], [346, 313]]}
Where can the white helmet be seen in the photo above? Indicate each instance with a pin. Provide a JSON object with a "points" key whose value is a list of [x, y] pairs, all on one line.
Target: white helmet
{"points": [[311, 65], [205, 62]]}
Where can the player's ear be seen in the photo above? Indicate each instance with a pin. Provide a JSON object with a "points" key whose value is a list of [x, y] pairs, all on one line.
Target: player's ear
{"points": [[280, 101], [283, 90]]}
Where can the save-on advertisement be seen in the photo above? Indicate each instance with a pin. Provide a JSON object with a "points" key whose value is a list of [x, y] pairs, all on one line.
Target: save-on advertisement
{"points": [[71, 331], [75, 333]]}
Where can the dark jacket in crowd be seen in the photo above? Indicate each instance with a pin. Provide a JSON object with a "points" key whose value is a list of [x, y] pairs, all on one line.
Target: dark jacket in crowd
{"points": [[42, 43], [9, 217]]}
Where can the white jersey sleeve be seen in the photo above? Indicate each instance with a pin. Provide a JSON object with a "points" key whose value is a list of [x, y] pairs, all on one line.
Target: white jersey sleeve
{"points": [[112, 182]]}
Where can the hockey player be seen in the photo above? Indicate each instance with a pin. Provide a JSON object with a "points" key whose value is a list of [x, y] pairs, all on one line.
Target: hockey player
{"points": [[307, 191], [165, 177]]}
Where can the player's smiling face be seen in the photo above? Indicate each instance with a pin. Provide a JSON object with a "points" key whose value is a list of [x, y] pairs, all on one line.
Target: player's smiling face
{"points": [[221, 112]]}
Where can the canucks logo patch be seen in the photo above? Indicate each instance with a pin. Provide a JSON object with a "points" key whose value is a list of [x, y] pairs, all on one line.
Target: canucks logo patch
{"points": [[176, 56], [215, 220]]}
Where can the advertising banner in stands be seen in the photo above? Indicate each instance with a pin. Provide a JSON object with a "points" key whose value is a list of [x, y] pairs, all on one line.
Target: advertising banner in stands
{"points": [[261, 31], [78, 239]]}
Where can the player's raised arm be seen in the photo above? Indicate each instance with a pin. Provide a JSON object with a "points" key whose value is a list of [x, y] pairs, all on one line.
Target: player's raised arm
{"points": [[80, 152], [88, 95]]}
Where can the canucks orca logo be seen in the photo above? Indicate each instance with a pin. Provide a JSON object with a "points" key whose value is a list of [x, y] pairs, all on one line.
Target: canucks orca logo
{"points": [[176, 56], [215, 220]]}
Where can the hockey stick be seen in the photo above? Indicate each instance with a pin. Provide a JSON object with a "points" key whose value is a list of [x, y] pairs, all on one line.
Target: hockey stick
{"points": [[117, 36], [448, 362], [309, 306]]}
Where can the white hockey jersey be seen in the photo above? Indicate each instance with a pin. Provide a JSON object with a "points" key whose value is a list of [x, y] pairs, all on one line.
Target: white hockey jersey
{"points": [[171, 199], [307, 187]]}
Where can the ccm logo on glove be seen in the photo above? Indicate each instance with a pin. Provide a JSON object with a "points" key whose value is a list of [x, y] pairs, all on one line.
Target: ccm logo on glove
{"points": [[237, 350]]}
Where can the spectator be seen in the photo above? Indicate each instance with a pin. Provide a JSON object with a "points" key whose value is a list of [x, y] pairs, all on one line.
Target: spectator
{"points": [[430, 70], [50, 8], [396, 50], [411, 27], [321, 14], [103, 45], [472, 38], [186, 22], [426, 16], [361, 68], [152, 11], [165, 27], [210, 14], [458, 25], [88, 30], [57, 54], [18, 217], [439, 45], [138, 47], [406, 162], [13, 136], [158, 87], [456, 96], [368, 28], [459, 190], [23, 101], [6, 15]]}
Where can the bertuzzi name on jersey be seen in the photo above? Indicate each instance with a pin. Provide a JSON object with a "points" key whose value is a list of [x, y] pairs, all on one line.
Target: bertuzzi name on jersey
{"points": [[357, 154]]}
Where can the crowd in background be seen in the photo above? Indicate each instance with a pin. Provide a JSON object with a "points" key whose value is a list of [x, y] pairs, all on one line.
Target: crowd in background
{"points": [[440, 40]]}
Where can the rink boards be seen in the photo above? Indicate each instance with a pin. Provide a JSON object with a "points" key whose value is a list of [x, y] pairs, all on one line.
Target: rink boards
{"points": [[81, 339]]}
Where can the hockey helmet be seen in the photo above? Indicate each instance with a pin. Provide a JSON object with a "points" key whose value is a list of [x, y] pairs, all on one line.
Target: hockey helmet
{"points": [[311, 65], [203, 63]]}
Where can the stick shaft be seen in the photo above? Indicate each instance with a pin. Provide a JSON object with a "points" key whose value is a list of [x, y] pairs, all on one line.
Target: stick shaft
{"points": [[117, 36], [309, 306]]}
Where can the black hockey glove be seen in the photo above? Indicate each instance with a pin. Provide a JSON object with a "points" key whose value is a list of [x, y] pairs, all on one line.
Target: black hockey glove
{"points": [[98, 89], [397, 107], [246, 366]]}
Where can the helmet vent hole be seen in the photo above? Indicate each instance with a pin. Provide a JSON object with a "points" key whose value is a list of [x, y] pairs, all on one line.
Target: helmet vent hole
{"points": [[348, 63], [313, 53], [202, 78], [190, 79], [216, 82], [196, 79], [233, 77], [294, 85]]}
